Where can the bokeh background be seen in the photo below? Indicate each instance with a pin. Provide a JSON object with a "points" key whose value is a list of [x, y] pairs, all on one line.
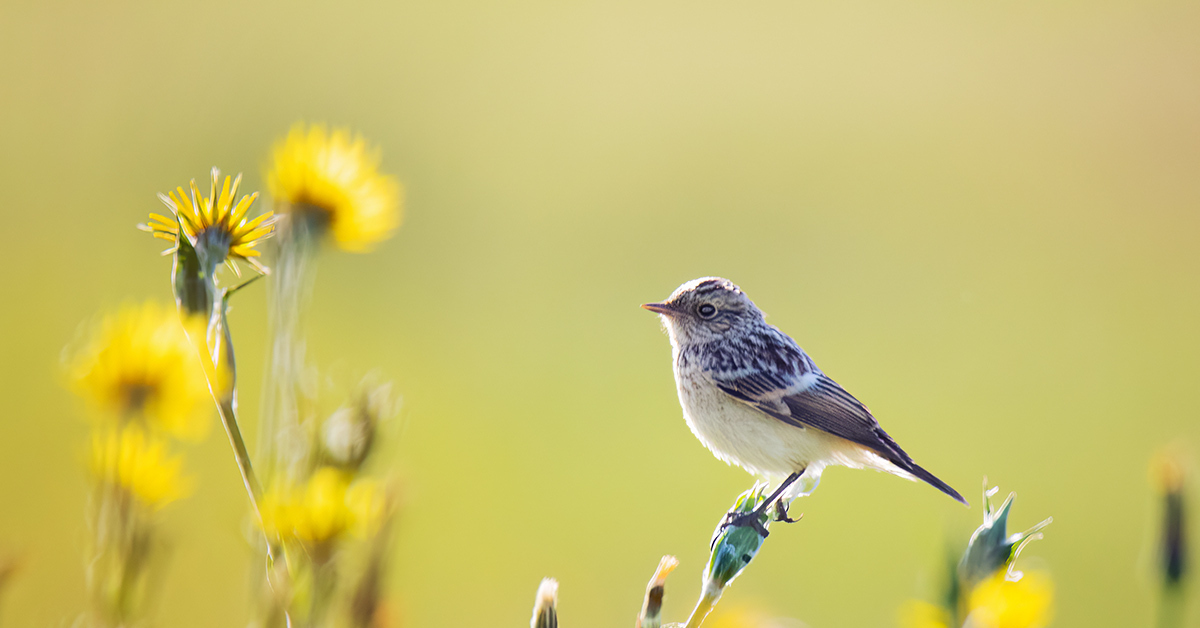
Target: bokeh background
{"points": [[980, 217]]}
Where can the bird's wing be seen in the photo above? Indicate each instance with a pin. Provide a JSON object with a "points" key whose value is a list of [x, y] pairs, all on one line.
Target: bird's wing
{"points": [[790, 388], [814, 400]]}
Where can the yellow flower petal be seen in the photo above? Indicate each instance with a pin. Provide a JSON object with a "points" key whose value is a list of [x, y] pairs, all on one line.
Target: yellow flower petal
{"points": [[920, 614], [1000, 603], [138, 365], [334, 175], [327, 506], [132, 461], [215, 217]]}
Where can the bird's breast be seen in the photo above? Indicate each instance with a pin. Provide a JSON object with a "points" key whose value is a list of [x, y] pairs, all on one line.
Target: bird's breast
{"points": [[741, 434]]}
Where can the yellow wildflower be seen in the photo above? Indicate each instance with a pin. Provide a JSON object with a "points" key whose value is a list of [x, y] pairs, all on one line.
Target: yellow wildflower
{"points": [[326, 507], [1001, 603], [334, 178], [130, 460], [214, 224], [997, 602], [740, 617], [921, 614], [139, 365], [1168, 469]]}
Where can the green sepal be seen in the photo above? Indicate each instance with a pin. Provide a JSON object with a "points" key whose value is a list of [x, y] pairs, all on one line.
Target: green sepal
{"points": [[193, 291]]}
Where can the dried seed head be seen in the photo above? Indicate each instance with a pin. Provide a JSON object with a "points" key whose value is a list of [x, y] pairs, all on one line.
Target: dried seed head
{"points": [[651, 616], [545, 608]]}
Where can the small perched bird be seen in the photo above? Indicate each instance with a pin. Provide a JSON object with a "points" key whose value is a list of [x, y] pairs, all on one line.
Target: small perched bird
{"points": [[755, 399]]}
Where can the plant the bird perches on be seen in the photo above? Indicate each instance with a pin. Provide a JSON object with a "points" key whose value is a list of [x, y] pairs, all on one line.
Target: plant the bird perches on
{"points": [[733, 547]]}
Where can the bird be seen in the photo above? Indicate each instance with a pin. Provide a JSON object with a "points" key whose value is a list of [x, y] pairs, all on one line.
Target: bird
{"points": [[754, 398]]}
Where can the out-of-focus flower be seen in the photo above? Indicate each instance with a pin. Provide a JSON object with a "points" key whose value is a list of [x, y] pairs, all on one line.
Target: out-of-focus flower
{"points": [[545, 606], [348, 435], [986, 589], [324, 508], [132, 461], [991, 547], [347, 438], [138, 364], [332, 179], [922, 614], [742, 617], [9, 566], [1168, 472], [999, 602], [219, 230]]}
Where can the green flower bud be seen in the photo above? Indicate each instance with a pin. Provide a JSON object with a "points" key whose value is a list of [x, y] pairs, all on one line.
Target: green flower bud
{"points": [[736, 546], [991, 548]]}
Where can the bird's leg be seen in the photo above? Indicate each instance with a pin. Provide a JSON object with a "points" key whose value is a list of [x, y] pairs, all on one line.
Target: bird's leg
{"points": [[751, 519]]}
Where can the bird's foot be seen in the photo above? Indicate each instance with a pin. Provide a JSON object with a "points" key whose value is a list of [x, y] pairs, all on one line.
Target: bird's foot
{"points": [[740, 520], [781, 513]]}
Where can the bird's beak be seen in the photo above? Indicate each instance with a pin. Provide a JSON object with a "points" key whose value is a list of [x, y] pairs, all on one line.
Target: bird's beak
{"points": [[660, 308]]}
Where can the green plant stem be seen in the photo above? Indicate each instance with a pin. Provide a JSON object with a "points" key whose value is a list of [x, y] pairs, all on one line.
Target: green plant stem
{"points": [[240, 454], [196, 293], [212, 352], [1171, 607], [703, 607], [324, 581], [216, 352], [289, 292]]}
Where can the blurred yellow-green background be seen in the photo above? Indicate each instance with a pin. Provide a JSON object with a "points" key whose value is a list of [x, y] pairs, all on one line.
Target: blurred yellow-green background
{"points": [[981, 218]]}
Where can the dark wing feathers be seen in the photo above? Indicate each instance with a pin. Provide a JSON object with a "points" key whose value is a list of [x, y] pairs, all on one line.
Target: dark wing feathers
{"points": [[761, 385], [823, 405], [828, 407]]}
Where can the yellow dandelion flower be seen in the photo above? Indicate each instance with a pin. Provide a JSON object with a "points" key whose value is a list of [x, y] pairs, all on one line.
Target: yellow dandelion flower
{"points": [[223, 231], [139, 365], [922, 614], [1001, 603], [333, 178], [326, 507], [740, 617], [129, 459]]}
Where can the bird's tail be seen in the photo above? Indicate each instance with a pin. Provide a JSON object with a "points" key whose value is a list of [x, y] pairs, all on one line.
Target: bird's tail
{"points": [[932, 479]]}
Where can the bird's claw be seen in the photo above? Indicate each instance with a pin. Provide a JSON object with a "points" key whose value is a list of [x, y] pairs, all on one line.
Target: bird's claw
{"points": [[781, 513]]}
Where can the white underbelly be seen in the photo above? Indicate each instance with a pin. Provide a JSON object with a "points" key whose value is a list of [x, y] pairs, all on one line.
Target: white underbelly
{"points": [[763, 445]]}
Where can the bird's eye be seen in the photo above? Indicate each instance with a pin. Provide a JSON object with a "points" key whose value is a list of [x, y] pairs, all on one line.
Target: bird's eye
{"points": [[706, 310]]}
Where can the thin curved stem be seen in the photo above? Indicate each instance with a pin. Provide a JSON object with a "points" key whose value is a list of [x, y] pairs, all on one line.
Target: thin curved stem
{"points": [[241, 455]]}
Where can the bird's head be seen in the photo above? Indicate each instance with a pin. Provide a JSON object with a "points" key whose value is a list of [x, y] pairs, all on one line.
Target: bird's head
{"points": [[705, 309]]}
